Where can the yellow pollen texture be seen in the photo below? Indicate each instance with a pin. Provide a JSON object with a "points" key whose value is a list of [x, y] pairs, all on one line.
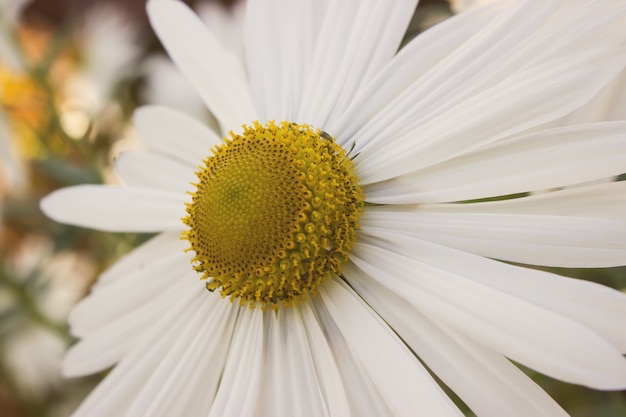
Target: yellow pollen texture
{"points": [[274, 214]]}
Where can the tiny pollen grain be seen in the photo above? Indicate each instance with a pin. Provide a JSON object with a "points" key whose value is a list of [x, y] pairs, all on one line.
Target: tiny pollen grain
{"points": [[274, 214]]}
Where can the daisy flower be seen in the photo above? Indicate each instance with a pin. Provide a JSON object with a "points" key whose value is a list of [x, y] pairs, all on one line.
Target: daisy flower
{"points": [[345, 227]]}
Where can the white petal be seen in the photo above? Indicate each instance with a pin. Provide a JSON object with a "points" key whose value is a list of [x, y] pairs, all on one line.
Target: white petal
{"points": [[355, 41], [134, 291], [604, 201], [113, 396], [364, 398], [102, 346], [560, 241], [239, 387], [267, 27], [280, 52], [487, 382], [227, 23], [405, 385], [147, 169], [536, 161], [531, 335], [273, 384], [524, 35], [407, 66], [524, 100], [216, 73], [307, 396], [136, 260], [598, 307], [116, 209], [326, 368], [149, 271], [186, 379], [290, 383], [608, 104], [165, 85], [175, 133]]}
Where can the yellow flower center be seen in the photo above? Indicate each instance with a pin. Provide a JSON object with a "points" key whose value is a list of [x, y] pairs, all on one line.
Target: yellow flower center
{"points": [[274, 213]]}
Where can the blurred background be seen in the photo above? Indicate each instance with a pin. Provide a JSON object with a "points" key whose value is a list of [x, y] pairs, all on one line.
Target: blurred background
{"points": [[71, 74]]}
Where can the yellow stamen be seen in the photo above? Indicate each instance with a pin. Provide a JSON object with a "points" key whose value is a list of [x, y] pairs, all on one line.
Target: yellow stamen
{"points": [[274, 213]]}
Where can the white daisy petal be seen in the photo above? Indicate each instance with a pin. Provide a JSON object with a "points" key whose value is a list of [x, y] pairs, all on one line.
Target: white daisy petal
{"points": [[325, 366], [165, 85], [264, 22], [239, 387], [102, 346], [487, 382], [277, 73], [196, 359], [275, 395], [363, 396], [213, 355], [520, 330], [175, 133], [216, 74], [156, 248], [543, 92], [145, 169], [411, 390], [598, 307], [307, 398], [355, 41], [154, 268], [604, 201], [291, 386], [552, 158], [411, 62], [227, 23], [524, 238], [115, 394], [157, 277], [529, 34], [116, 209]]}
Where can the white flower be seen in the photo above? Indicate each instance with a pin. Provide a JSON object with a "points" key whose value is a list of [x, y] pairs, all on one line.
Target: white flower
{"points": [[449, 118]]}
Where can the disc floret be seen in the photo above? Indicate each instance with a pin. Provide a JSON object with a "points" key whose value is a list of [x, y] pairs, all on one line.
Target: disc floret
{"points": [[274, 214]]}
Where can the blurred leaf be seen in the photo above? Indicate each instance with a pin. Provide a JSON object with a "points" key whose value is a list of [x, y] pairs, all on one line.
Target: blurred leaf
{"points": [[66, 174]]}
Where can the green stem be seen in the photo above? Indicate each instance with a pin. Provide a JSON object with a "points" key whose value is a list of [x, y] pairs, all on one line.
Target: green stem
{"points": [[28, 304]]}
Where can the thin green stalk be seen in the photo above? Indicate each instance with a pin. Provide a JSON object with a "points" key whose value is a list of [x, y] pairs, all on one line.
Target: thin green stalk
{"points": [[29, 305]]}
